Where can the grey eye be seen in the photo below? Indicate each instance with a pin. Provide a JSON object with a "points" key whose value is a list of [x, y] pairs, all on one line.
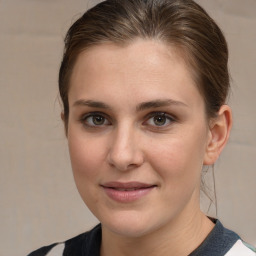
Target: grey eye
{"points": [[160, 120], [98, 120], [94, 119]]}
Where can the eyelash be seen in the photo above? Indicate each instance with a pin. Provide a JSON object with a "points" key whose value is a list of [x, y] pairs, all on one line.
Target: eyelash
{"points": [[84, 119], [167, 119]]}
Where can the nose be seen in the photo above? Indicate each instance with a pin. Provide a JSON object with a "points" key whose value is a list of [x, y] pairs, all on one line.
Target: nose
{"points": [[125, 152]]}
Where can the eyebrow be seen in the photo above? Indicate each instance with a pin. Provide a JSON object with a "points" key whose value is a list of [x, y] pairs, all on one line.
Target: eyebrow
{"points": [[142, 106], [159, 103], [91, 103]]}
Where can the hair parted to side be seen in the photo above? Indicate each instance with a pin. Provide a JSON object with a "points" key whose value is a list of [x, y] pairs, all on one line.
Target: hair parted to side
{"points": [[182, 24]]}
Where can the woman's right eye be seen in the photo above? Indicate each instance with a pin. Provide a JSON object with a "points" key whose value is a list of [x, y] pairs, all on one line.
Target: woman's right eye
{"points": [[95, 120]]}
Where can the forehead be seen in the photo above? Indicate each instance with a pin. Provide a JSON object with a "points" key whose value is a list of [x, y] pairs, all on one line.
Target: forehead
{"points": [[137, 52], [144, 67]]}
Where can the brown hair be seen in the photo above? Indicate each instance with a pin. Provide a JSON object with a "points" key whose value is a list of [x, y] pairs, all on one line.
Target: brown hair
{"points": [[181, 23]]}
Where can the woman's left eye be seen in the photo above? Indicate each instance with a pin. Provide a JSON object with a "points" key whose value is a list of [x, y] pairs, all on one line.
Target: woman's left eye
{"points": [[159, 119]]}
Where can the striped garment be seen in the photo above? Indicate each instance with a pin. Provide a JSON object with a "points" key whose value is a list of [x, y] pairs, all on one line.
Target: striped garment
{"points": [[220, 242]]}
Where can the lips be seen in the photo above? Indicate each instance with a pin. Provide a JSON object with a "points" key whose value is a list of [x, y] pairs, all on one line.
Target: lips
{"points": [[127, 192], [126, 189]]}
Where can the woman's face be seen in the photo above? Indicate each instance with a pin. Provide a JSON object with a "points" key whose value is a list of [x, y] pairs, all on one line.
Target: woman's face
{"points": [[137, 135]]}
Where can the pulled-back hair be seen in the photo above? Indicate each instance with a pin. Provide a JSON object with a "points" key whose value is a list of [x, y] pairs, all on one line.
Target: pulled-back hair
{"points": [[182, 24]]}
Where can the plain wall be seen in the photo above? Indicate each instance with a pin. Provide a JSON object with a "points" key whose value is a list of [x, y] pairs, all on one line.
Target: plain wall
{"points": [[39, 203]]}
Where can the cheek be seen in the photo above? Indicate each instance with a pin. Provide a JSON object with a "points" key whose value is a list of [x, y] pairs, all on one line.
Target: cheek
{"points": [[87, 160], [177, 161], [87, 156]]}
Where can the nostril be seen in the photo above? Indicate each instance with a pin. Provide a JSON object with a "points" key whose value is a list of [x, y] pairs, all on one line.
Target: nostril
{"points": [[124, 153], [125, 164]]}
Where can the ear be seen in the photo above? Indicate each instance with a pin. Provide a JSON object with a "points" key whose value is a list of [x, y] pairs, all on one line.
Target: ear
{"points": [[62, 116], [219, 132], [64, 122]]}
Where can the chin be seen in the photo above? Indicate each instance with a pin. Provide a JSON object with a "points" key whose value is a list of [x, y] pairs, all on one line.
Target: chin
{"points": [[128, 230], [129, 224]]}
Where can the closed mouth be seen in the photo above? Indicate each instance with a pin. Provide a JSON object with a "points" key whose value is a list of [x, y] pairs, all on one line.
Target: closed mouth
{"points": [[129, 189], [127, 192], [127, 186]]}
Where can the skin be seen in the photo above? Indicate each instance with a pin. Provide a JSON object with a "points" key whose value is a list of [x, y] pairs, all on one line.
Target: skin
{"points": [[114, 136]]}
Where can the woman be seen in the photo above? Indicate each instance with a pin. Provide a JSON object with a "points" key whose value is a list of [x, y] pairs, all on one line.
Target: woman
{"points": [[144, 86]]}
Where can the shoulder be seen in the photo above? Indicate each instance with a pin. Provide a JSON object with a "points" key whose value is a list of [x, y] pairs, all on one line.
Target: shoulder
{"points": [[56, 248], [241, 248], [84, 244], [222, 241]]}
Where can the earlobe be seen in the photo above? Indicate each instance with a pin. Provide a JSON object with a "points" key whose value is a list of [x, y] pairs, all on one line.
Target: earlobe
{"points": [[64, 122], [62, 116], [219, 132]]}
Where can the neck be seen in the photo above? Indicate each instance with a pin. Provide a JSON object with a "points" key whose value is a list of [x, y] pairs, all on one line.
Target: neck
{"points": [[178, 238]]}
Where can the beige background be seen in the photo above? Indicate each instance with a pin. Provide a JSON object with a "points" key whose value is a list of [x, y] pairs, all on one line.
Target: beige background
{"points": [[39, 203]]}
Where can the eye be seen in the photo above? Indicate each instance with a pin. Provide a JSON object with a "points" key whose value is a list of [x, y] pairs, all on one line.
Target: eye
{"points": [[94, 120], [159, 119]]}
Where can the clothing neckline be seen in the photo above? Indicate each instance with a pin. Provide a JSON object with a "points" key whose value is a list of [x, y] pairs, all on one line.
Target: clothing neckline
{"points": [[218, 242]]}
